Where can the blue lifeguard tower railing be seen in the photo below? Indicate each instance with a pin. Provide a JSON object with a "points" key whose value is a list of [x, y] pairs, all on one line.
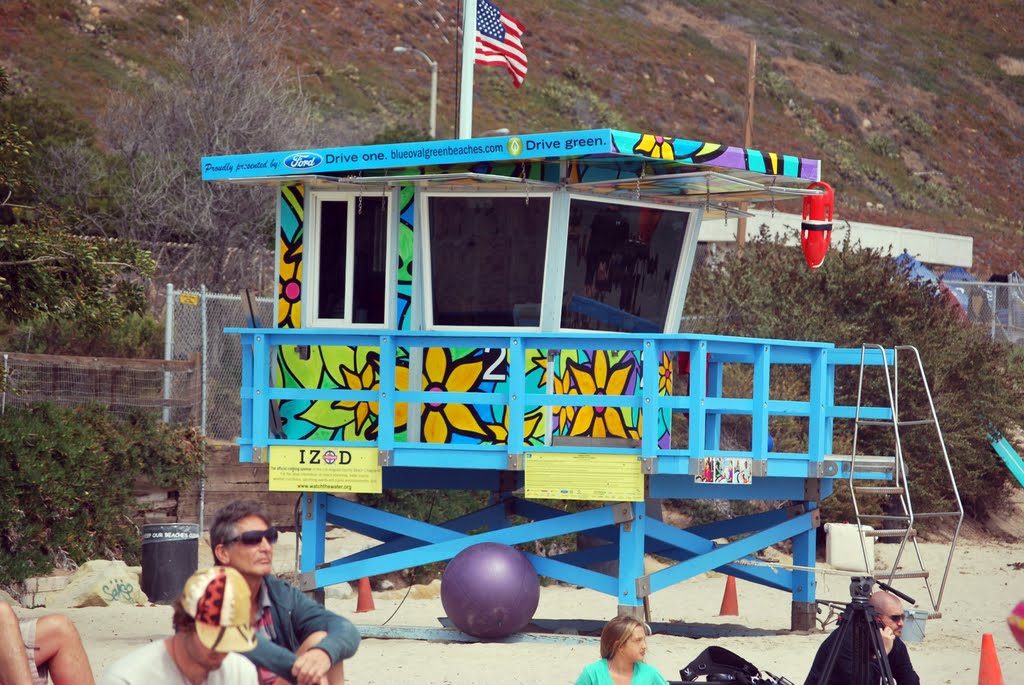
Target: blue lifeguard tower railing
{"points": [[503, 314]]}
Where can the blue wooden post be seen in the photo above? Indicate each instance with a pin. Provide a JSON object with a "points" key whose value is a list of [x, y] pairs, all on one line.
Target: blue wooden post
{"points": [[819, 433], [314, 536], [804, 582], [760, 395], [649, 410], [698, 393], [245, 441], [260, 385], [631, 560], [713, 425]]}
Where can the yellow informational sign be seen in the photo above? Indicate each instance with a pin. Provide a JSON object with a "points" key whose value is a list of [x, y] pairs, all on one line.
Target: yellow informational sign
{"points": [[580, 475], [324, 469], [188, 298]]}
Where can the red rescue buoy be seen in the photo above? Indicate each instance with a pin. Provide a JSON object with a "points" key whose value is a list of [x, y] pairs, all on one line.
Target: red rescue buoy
{"points": [[816, 227]]}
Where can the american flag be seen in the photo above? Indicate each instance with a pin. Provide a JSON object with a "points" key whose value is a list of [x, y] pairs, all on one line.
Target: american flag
{"points": [[497, 41]]}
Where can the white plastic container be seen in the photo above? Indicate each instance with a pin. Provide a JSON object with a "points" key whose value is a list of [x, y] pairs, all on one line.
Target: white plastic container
{"points": [[913, 625], [843, 547]]}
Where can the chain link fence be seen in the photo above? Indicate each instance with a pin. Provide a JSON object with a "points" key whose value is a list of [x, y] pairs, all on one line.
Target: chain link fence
{"points": [[996, 307], [194, 322]]}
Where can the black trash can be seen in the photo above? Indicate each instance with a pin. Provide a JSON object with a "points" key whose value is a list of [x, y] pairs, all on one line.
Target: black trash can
{"points": [[170, 554]]}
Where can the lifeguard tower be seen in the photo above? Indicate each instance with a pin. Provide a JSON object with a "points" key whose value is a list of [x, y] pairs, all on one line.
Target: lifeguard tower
{"points": [[503, 314]]}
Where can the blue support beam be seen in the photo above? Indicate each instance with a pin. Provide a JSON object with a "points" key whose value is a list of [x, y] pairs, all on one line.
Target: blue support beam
{"points": [[314, 529], [718, 557]]}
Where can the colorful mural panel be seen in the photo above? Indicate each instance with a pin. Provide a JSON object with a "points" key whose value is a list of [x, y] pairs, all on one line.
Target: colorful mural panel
{"points": [[703, 153], [289, 285]]}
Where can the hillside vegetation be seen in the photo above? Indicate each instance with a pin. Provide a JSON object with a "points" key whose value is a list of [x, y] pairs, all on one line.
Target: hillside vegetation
{"points": [[916, 109]]}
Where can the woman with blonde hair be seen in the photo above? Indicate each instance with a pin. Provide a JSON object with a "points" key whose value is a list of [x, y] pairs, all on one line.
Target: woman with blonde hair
{"points": [[623, 647]]}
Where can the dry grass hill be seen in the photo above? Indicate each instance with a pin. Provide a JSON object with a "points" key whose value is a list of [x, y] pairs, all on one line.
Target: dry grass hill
{"points": [[916, 108]]}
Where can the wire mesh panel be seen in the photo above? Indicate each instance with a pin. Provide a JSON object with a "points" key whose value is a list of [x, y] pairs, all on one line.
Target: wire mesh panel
{"points": [[198, 322], [123, 385], [996, 307]]}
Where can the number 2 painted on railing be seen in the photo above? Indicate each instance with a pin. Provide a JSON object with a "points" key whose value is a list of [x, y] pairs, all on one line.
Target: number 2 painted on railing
{"points": [[493, 373]]}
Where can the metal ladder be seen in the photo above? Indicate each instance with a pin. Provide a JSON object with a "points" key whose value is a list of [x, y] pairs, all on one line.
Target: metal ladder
{"points": [[901, 523]]}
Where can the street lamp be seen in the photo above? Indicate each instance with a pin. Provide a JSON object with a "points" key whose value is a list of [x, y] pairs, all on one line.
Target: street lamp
{"points": [[433, 85], [493, 132]]}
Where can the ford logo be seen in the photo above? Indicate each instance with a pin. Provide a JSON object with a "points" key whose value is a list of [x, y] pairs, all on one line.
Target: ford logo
{"points": [[303, 160]]}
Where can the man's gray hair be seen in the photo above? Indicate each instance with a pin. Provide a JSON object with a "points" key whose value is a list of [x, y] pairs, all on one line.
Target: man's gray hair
{"points": [[223, 528]]}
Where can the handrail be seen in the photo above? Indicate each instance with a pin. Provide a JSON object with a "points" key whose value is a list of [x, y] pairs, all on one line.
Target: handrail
{"points": [[704, 402]]}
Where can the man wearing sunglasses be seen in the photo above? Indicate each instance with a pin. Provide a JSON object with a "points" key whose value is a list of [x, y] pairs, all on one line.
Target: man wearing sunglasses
{"points": [[889, 612], [298, 641]]}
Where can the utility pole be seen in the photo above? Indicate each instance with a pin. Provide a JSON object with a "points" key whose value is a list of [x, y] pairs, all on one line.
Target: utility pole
{"points": [[748, 131]]}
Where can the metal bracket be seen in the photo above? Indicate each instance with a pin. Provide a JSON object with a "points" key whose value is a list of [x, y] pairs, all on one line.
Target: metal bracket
{"points": [[643, 586], [385, 458], [515, 462], [307, 581], [812, 489], [649, 466], [303, 352], [309, 506], [822, 469], [259, 455], [622, 512], [816, 518]]}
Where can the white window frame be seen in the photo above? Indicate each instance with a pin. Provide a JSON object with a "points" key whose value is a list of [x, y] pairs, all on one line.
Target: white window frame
{"points": [[423, 235], [311, 269]]}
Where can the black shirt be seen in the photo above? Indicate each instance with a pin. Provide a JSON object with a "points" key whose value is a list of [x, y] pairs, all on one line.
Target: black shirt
{"points": [[899, 663]]}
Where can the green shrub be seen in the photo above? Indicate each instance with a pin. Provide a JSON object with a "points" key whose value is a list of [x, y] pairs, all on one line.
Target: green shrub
{"points": [[882, 145], [137, 336], [67, 478], [913, 123]]}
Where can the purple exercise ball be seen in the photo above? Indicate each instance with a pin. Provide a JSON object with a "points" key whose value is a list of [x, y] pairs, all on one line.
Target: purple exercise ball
{"points": [[490, 590]]}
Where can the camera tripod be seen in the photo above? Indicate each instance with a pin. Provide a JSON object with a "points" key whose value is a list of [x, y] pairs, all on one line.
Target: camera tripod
{"points": [[859, 637]]}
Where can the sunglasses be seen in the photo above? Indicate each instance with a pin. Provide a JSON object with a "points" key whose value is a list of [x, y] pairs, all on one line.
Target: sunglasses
{"points": [[252, 538], [896, 618]]}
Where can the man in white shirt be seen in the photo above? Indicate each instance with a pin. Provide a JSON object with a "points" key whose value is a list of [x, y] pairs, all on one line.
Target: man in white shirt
{"points": [[211, 623]]}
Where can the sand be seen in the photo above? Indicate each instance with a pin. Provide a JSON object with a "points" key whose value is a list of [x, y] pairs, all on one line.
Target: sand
{"points": [[983, 587]]}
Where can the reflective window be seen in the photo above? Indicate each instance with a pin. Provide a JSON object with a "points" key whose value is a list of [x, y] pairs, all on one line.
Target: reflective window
{"points": [[621, 263], [487, 259]]}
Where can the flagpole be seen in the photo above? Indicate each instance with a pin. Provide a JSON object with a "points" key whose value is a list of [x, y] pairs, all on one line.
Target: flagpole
{"points": [[468, 58]]}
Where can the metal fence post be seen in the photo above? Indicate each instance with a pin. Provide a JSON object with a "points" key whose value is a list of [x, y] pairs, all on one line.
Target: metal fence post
{"points": [[168, 346], [994, 307], [202, 420], [206, 354], [7, 372]]}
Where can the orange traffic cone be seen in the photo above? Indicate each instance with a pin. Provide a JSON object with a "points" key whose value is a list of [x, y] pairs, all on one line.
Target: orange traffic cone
{"points": [[730, 606], [364, 602], [989, 672]]}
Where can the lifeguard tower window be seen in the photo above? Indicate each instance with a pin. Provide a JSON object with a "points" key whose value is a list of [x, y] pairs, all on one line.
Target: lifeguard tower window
{"points": [[621, 264], [350, 235], [487, 259]]}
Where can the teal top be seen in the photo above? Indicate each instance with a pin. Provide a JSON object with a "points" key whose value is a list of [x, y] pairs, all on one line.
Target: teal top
{"points": [[597, 674]]}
